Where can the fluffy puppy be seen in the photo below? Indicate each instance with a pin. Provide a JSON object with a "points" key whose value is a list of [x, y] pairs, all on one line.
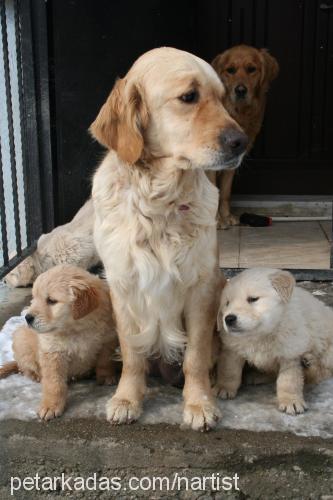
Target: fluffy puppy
{"points": [[246, 73], [70, 243], [70, 332], [278, 328], [155, 221]]}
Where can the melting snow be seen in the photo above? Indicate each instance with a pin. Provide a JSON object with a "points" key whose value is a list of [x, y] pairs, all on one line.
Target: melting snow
{"points": [[253, 409]]}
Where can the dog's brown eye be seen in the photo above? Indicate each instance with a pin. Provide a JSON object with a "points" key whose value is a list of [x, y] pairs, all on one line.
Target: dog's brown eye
{"points": [[50, 301], [231, 70], [252, 299], [190, 97], [251, 69], [227, 303]]}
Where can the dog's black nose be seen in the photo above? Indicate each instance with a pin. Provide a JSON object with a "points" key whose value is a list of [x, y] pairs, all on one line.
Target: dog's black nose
{"points": [[234, 141], [240, 91], [230, 319], [29, 318]]}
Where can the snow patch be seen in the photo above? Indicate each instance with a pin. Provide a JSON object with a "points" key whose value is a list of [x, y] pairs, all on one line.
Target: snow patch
{"points": [[254, 408]]}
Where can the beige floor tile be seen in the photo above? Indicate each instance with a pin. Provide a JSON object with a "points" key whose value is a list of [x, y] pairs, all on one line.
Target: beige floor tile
{"points": [[327, 228], [229, 247], [295, 245]]}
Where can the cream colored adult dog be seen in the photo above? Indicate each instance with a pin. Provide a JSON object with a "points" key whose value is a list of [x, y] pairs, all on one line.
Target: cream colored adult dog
{"points": [[155, 228], [277, 327], [70, 334], [71, 243]]}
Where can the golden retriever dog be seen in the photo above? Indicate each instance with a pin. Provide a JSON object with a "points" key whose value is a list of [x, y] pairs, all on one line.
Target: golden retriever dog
{"points": [[70, 333], [246, 73], [71, 243], [280, 329], [155, 230]]}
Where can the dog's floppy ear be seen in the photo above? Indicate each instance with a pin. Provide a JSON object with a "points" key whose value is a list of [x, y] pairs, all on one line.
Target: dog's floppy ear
{"points": [[85, 299], [270, 68], [121, 121], [283, 282], [219, 62], [220, 320]]}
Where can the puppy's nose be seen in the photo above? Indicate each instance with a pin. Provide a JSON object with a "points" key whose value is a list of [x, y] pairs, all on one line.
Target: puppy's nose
{"points": [[234, 141], [230, 319], [29, 318], [240, 91]]}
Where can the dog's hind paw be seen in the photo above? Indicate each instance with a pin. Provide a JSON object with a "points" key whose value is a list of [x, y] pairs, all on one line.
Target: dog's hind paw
{"points": [[201, 417], [292, 406], [122, 411], [224, 392], [107, 379]]}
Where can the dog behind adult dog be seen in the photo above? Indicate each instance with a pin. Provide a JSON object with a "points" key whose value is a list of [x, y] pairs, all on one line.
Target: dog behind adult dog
{"points": [[155, 229], [278, 328], [71, 243], [246, 73], [69, 333]]}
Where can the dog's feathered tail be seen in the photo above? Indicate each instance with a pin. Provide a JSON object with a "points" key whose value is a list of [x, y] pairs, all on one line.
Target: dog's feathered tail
{"points": [[8, 369]]}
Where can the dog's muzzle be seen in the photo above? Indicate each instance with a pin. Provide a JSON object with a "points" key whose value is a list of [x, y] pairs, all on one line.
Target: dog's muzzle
{"points": [[233, 145]]}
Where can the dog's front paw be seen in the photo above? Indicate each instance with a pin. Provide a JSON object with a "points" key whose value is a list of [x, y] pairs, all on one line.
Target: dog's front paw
{"points": [[50, 410], [122, 411], [201, 417], [223, 392], [226, 221], [292, 406]]}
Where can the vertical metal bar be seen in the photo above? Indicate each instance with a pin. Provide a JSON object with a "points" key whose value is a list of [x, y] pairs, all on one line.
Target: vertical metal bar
{"points": [[31, 164], [10, 125], [3, 216], [40, 37]]}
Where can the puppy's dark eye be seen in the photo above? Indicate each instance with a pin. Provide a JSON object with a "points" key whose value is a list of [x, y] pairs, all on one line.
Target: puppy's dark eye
{"points": [[50, 301], [252, 299], [251, 69], [190, 97], [227, 303], [231, 70]]}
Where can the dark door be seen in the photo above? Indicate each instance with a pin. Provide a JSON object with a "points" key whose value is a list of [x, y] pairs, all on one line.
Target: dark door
{"points": [[91, 43], [293, 153]]}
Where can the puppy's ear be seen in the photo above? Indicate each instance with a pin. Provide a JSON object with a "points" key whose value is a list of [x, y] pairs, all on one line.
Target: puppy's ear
{"points": [[283, 282], [220, 320], [85, 300], [270, 68], [121, 121]]}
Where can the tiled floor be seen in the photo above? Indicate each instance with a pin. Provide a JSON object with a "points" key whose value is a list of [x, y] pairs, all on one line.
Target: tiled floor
{"points": [[294, 245]]}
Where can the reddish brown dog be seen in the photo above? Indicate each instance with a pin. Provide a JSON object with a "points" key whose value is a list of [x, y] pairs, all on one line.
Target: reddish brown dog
{"points": [[246, 73]]}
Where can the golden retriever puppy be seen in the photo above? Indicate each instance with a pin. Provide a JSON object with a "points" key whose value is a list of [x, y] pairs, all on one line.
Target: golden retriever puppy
{"points": [[155, 229], [277, 328], [246, 73], [71, 243], [70, 332]]}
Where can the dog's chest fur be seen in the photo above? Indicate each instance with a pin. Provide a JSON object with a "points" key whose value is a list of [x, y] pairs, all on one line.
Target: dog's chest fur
{"points": [[156, 234], [148, 224]]}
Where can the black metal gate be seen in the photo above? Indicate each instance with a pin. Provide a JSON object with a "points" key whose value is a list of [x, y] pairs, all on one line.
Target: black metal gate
{"points": [[26, 191]]}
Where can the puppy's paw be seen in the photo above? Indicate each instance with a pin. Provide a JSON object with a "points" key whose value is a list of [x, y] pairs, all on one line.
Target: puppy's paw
{"points": [[201, 417], [50, 410], [224, 392], [292, 406], [107, 379], [122, 411], [226, 221]]}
